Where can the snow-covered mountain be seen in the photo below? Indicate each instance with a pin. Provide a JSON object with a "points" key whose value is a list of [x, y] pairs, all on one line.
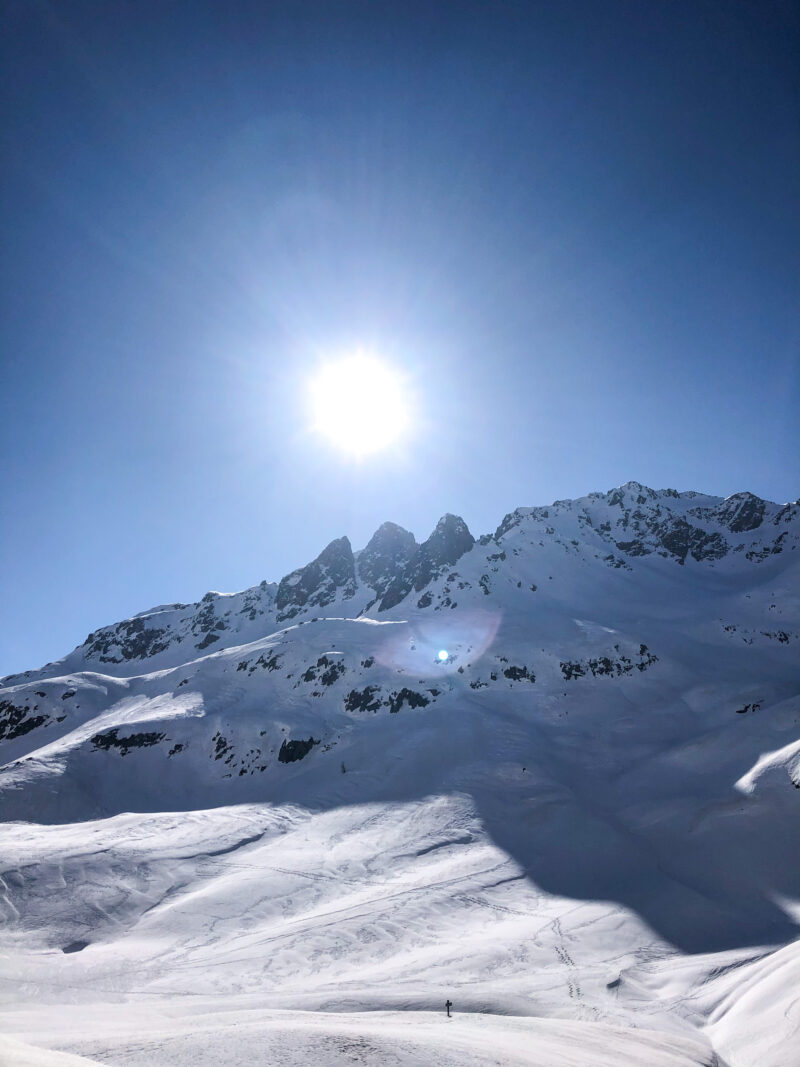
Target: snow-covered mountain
{"points": [[552, 773]]}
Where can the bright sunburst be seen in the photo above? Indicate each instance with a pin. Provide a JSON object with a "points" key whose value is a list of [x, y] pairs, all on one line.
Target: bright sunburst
{"points": [[360, 404]]}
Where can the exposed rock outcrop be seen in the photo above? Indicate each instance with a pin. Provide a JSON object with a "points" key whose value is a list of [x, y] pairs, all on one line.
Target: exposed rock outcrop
{"points": [[388, 553], [331, 575], [742, 512], [447, 544], [292, 751]]}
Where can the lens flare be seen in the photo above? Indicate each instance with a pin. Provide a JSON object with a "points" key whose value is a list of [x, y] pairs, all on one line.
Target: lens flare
{"points": [[417, 649]]}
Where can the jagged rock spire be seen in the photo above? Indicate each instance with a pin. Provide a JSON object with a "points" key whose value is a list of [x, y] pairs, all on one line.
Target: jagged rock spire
{"points": [[320, 582], [448, 543], [388, 553]]}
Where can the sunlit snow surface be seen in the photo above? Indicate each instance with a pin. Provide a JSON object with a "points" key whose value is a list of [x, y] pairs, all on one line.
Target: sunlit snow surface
{"points": [[596, 870], [277, 936]]}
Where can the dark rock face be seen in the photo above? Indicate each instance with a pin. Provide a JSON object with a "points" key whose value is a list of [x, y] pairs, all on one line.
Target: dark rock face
{"points": [[326, 671], [16, 720], [516, 674], [681, 539], [206, 622], [222, 747], [291, 751], [447, 544], [365, 699], [389, 552], [633, 548], [131, 640], [319, 582], [371, 698], [742, 512], [209, 639], [768, 550], [271, 663], [75, 946], [407, 696], [655, 529], [110, 739], [612, 666]]}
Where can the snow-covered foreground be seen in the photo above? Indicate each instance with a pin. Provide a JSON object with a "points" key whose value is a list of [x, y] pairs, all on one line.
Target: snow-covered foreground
{"points": [[415, 1039], [552, 775], [278, 936]]}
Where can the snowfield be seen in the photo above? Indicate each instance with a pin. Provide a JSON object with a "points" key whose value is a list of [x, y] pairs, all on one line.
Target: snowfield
{"points": [[275, 827]]}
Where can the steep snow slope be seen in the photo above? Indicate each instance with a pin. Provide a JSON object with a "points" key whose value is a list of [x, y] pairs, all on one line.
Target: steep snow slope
{"points": [[587, 811]]}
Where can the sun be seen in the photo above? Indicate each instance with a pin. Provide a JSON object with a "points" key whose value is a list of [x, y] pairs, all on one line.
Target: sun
{"points": [[360, 404]]}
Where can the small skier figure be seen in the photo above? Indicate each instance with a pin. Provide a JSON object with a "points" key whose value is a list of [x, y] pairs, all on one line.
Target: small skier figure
{"points": [[448, 1005]]}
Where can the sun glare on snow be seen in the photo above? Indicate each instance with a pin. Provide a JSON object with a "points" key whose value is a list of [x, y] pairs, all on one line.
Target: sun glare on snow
{"points": [[360, 404]]}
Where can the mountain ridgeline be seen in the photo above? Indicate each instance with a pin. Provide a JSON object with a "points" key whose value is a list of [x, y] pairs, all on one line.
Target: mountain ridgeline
{"points": [[658, 613], [617, 529]]}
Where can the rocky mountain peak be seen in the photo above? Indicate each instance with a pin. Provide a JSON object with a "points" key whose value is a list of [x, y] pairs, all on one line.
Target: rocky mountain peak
{"points": [[636, 489], [388, 552], [626, 528], [330, 575], [448, 542], [631, 493], [742, 511]]}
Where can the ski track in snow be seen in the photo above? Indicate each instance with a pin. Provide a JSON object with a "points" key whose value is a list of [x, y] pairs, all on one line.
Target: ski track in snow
{"points": [[349, 959]]}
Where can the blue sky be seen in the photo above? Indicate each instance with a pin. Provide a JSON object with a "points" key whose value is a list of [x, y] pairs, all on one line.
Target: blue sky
{"points": [[574, 226]]}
